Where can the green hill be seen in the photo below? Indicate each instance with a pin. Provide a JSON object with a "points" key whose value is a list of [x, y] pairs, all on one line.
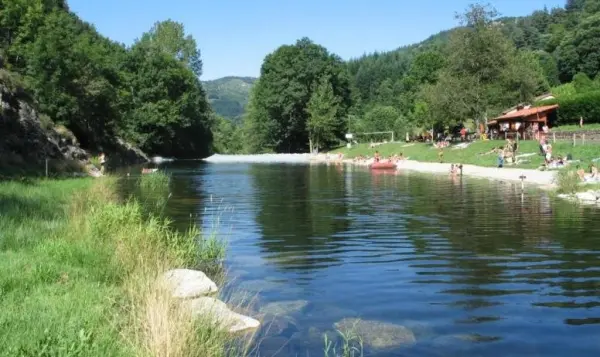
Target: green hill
{"points": [[229, 95]]}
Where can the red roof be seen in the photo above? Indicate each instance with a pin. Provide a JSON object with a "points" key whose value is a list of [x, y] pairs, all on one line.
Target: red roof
{"points": [[527, 112]]}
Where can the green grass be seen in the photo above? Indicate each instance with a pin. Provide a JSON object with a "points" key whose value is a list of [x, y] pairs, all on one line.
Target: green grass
{"points": [[79, 272], [570, 128], [475, 154]]}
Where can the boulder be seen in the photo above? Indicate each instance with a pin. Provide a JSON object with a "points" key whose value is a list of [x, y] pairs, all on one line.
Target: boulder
{"points": [[284, 308], [218, 313], [376, 334], [188, 284]]}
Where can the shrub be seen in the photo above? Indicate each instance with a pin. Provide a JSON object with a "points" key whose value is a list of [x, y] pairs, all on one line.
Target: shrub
{"points": [[572, 107], [568, 181]]}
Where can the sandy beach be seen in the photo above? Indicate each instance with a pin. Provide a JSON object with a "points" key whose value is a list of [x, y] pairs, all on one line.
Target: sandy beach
{"points": [[537, 177]]}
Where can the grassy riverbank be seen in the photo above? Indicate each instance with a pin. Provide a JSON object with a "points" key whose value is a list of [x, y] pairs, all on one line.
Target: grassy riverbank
{"points": [[477, 153], [79, 270]]}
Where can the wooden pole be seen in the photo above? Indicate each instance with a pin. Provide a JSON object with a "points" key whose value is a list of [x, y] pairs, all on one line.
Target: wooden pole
{"points": [[574, 139], [46, 168], [554, 138], [582, 139]]}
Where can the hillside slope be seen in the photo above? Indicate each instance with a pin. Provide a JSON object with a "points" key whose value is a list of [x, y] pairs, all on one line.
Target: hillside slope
{"points": [[229, 95]]}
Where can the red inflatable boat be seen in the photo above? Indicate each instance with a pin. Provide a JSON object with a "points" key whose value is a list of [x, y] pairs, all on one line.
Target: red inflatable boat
{"points": [[383, 166]]}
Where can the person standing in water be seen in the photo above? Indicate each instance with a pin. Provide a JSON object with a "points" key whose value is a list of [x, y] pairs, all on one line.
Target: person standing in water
{"points": [[376, 156]]}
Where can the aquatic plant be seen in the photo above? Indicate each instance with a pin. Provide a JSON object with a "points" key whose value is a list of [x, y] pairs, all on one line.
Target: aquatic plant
{"points": [[350, 344]]}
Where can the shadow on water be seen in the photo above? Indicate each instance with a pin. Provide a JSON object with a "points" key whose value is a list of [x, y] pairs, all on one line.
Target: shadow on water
{"points": [[470, 267]]}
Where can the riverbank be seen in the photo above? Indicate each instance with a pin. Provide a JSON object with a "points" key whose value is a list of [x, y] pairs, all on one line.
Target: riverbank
{"points": [[477, 153], [80, 271], [479, 161]]}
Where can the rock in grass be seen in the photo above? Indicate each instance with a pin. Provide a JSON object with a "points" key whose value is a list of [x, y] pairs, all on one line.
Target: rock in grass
{"points": [[188, 284], [376, 334], [218, 313]]}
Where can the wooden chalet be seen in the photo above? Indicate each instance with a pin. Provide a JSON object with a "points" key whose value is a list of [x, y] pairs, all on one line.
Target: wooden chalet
{"points": [[523, 123]]}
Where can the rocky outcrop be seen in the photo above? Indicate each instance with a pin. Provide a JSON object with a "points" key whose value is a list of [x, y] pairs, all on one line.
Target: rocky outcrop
{"points": [[191, 286], [28, 138]]}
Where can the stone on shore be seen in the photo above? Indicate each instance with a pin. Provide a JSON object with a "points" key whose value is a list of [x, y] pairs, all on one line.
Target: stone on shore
{"points": [[188, 284], [377, 334], [218, 313]]}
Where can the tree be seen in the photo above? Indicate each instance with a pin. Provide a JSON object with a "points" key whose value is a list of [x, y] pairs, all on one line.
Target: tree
{"points": [[289, 77], [168, 112], [484, 72], [169, 37], [323, 123]]}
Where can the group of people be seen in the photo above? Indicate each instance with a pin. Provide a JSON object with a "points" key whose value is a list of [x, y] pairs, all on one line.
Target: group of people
{"points": [[377, 158], [507, 153], [591, 177]]}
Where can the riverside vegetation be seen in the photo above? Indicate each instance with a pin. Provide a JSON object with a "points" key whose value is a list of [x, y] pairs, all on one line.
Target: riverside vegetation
{"points": [[79, 271], [306, 96]]}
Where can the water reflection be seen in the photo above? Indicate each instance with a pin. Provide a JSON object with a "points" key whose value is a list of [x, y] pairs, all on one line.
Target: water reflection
{"points": [[472, 267], [299, 212]]}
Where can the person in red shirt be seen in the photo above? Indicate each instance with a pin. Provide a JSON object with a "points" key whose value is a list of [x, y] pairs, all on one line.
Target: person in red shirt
{"points": [[463, 134]]}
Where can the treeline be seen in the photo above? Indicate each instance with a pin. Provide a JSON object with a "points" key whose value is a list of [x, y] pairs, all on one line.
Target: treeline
{"points": [[148, 94], [307, 98]]}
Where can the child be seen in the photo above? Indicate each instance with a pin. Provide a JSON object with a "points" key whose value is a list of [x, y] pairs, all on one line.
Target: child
{"points": [[501, 157]]}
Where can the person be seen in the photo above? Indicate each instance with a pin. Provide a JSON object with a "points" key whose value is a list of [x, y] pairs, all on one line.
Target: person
{"points": [[501, 157], [463, 134], [102, 158], [594, 171], [548, 153], [376, 156], [580, 173]]}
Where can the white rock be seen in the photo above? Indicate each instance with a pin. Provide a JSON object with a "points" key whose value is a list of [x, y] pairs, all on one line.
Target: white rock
{"points": [[218, 312], [187, 283]]}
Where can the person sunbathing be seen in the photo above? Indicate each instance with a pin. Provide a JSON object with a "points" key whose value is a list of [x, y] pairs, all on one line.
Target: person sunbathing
{"points": [[580, 173]]}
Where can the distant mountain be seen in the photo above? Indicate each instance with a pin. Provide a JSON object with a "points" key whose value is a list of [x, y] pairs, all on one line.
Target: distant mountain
{"points": [[229, 95]]}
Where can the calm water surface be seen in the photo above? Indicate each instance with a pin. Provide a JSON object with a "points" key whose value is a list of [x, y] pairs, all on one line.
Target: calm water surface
{"points": [[470, 267]]}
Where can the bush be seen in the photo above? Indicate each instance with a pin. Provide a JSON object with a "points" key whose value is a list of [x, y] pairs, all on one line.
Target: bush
{"points": [[572, 107], [568, 181]]}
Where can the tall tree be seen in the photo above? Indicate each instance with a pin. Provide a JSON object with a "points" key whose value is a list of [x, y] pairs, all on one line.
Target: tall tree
{"points": [[323, 123], [169, 37], [289, 77], [484, 72]]}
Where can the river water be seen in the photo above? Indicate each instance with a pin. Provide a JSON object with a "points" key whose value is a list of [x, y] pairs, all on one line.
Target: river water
{"points": [[432, 265]]}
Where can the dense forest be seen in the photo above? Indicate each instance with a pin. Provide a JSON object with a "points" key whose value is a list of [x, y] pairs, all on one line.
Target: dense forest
{"points": [[148, 94], [228, 96], [306, 98]]}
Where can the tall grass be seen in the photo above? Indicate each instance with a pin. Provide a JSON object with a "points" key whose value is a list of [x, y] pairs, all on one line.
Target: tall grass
{"points": [[568, 182], [80, 275]]}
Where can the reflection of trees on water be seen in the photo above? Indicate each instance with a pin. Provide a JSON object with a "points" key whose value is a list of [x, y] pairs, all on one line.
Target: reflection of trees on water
{"points": [[499, 235], [300, 209]]}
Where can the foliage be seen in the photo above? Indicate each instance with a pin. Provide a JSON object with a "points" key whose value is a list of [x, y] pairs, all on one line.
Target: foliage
{"points": [[323, 123], [573, 107], [567, 181], [229, 96], [228, 137], [87, 267], [277, 115], [484, 74], [99, 89]]}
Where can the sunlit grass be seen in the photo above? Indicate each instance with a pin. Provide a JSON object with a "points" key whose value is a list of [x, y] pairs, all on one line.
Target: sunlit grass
{"points": [[79, 273], [477, 153]]}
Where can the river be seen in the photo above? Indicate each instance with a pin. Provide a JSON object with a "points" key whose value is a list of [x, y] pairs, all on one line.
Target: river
{"points": [[466, 267]]}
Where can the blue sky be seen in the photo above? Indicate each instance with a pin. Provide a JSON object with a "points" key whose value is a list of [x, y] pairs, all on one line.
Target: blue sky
{"points": [[234, 36]]}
